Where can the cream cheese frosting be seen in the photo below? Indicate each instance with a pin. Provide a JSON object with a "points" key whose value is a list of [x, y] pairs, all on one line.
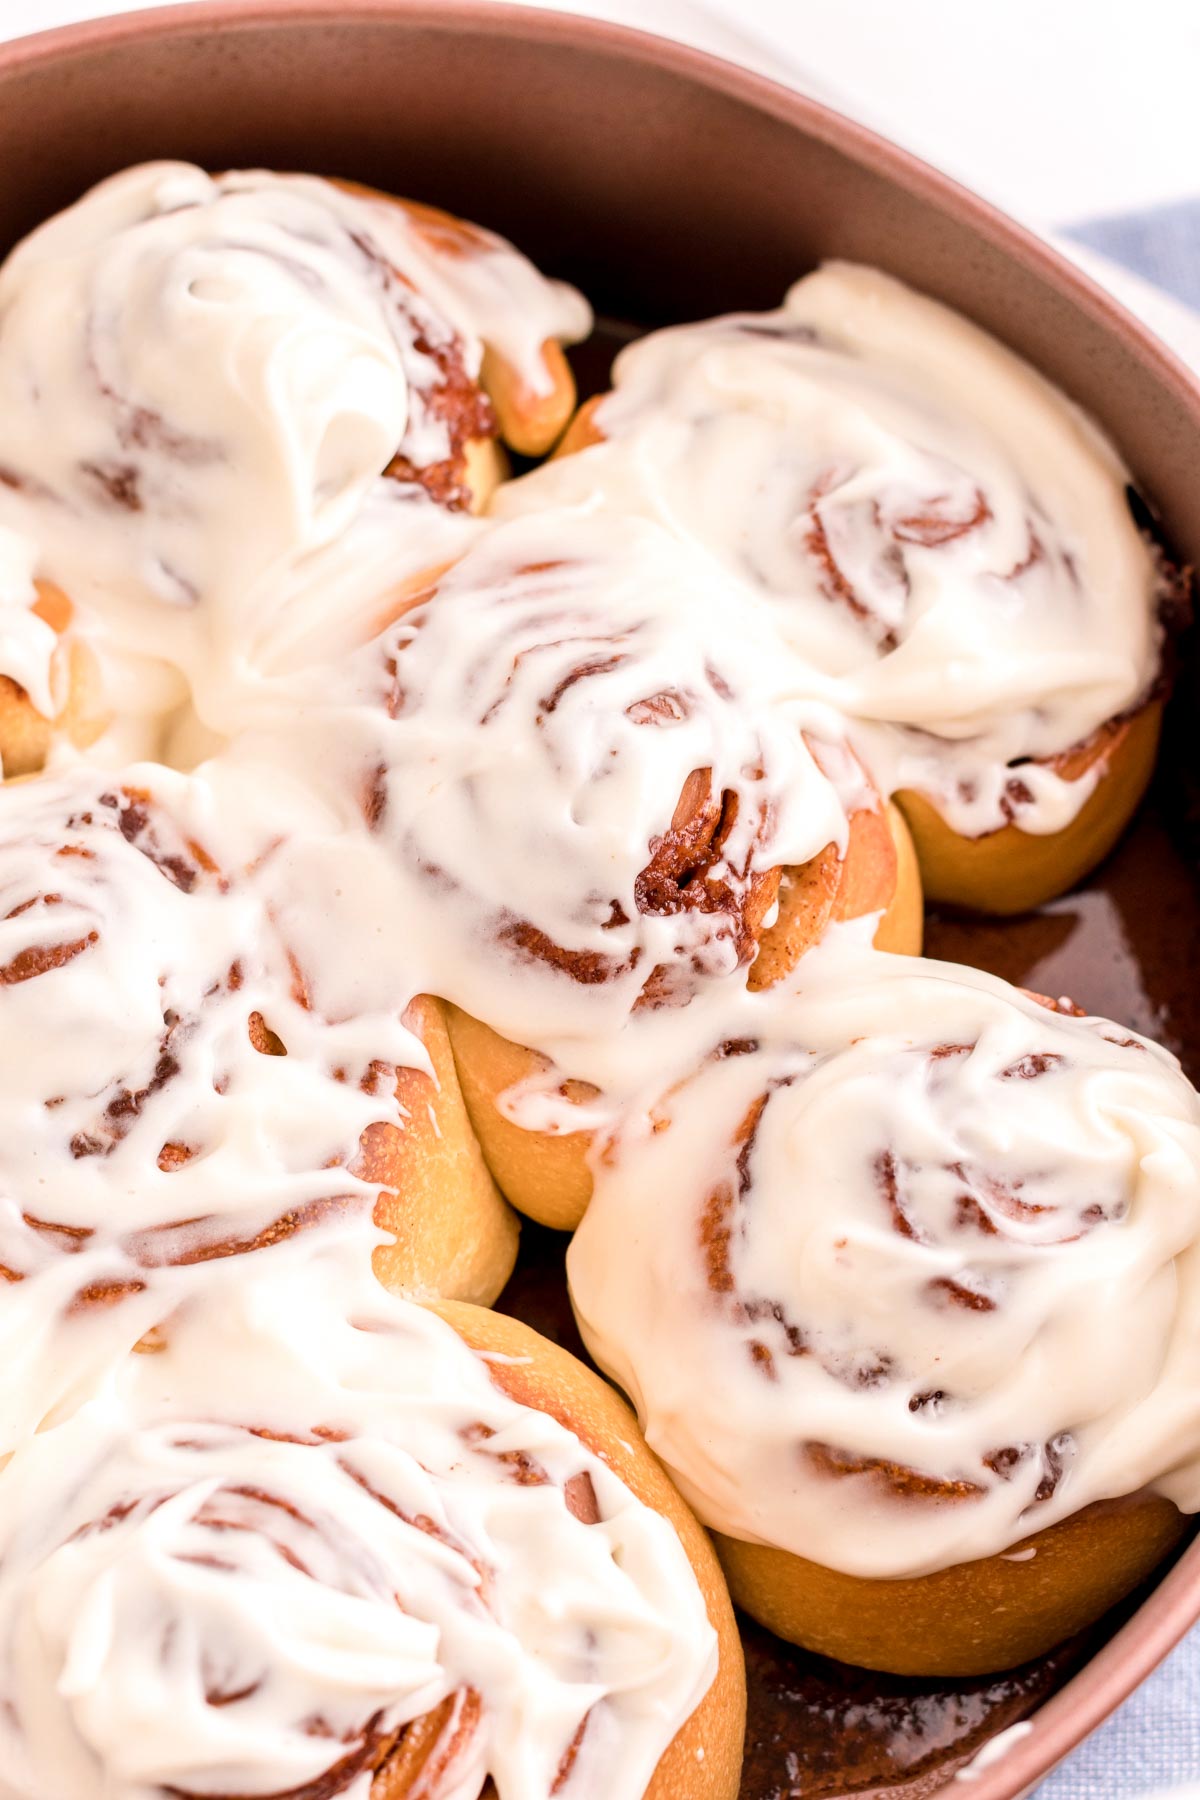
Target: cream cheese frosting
{"points": [[246, 1563], [147, 1132], [537, 744], [247, 1558], [203, 377], [862, 1273], [940, 533]]}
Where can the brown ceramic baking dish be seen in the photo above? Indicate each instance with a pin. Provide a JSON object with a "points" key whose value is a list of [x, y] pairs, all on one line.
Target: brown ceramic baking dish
{"points": [[670, 186]]}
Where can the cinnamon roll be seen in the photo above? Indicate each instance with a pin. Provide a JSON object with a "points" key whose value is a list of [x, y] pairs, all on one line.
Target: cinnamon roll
{"points": [[602, 799], [942, 535], [204, 380], [906, 1289], [328, 1544], [175, 1092]]}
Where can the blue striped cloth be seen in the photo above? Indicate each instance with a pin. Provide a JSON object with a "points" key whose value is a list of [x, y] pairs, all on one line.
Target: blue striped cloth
{"points": [[1153, 1742], [1163, 246]]}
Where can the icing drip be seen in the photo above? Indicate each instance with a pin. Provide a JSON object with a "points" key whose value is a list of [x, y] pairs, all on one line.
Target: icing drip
{"points": [[312, 1534], [940, 533], [867, 1262]]}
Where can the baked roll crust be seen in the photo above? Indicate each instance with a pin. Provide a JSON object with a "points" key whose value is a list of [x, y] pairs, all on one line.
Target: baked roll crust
{"points": [[306, 1548], [343, 367], [608, 803], [939, 532], [848, 1274]]}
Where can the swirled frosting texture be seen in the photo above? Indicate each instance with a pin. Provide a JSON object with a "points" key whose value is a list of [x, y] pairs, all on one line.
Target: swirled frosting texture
{"points": [[253, 1562], [941, 534], [202, 378], [175, 1087], [584, 774], [863, 1275]]}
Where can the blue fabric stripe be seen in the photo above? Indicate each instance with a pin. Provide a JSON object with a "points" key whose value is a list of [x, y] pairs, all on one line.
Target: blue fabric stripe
{"points": [[1152, 1743], [1162, 245]]}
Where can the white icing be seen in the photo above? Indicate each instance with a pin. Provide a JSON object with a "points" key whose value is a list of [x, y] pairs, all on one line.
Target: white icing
{"points": [[918, 1260], [214, 352], [202, 379], [130, 969], [187, 1605], [994, 1751], [525, 738], [941, 534], [123, 1029], [499, 297]]}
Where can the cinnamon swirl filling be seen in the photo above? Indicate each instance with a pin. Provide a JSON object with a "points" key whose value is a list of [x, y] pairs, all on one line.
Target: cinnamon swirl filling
{"points": [[310, 1551], [596, 778], [939, 534], [875, 1239], [173, 1098], [207, 382]]}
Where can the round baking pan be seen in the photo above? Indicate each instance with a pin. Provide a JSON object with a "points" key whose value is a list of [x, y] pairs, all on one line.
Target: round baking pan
{"points": [[669, 186]]}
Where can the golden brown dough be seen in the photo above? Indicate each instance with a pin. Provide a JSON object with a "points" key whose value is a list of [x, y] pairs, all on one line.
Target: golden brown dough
{"points": [[544, 1376], [26, 734], [527, 421], [453, 1233], [973, 1618], [1010, 870], [549, 1178]]}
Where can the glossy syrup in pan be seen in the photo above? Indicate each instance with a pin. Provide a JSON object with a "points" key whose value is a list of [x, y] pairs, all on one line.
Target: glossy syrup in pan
{"points": [[1126, 945]]}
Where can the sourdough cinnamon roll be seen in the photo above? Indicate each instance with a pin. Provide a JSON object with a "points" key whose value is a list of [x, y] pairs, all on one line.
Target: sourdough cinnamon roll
{"points": [[906, 1289], [205, 379], [942, 535], [330, 1544], [603, 798], [174, 1092]]}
